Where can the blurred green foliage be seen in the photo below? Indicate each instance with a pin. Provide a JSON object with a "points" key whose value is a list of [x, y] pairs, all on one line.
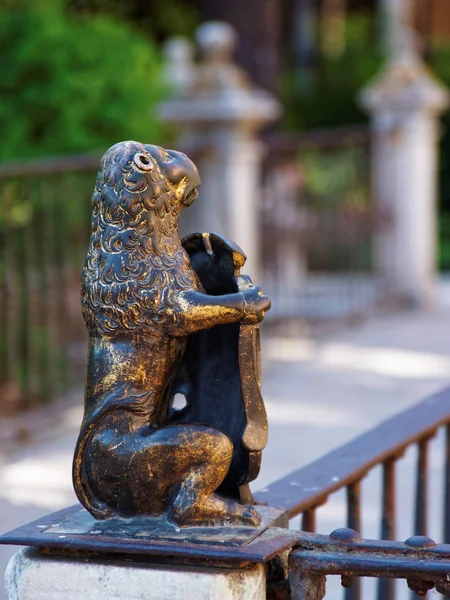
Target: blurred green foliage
{"points": [[440, 63], [73, 83], [336, 188], [327, 95], [336, 179], [444, 241], [157, 19]]}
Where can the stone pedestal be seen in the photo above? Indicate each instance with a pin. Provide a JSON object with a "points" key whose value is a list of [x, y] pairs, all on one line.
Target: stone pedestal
{"points": [[218, 116], [33, 576], [405, 102]]}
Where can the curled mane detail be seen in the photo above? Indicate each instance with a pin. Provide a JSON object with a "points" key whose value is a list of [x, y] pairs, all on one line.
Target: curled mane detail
{"points": [[135, 262]]}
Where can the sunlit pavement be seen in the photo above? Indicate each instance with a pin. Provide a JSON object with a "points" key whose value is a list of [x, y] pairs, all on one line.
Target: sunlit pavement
{"points": [[319, 394]]}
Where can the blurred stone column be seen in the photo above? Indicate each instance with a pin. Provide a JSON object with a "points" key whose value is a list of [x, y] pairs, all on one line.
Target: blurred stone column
{"points": [[405, 102], [179, 63], [218, 116], [396, 15]]}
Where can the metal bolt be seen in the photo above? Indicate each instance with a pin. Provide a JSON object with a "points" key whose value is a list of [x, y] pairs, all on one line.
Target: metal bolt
{"points": [[420, 587], [420, 541], [345, 535]]}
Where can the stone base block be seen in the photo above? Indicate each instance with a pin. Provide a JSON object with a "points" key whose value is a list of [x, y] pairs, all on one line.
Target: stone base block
{"points": [[33, 576]]}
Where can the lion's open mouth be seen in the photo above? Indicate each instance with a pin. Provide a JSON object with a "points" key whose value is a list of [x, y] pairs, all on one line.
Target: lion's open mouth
{"points": [[191, 197]]}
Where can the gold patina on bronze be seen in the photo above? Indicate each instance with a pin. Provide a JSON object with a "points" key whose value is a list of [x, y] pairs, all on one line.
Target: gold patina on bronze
{"points": [[166, 317]]}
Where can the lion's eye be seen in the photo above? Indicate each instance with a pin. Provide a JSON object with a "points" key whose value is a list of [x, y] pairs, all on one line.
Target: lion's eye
{"points": [[143, 161]]}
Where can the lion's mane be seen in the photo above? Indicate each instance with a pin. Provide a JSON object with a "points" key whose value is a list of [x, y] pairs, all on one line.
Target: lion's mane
{"points": [[135, 262]]}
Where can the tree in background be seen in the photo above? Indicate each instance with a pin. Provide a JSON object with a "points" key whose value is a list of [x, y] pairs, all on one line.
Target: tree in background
{"points": [[73, 83], [157, 19], [328, 96]]}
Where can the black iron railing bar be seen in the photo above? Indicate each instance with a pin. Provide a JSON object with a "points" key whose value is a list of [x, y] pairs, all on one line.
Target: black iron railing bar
{"points": [[354, 522], [306, 487]]}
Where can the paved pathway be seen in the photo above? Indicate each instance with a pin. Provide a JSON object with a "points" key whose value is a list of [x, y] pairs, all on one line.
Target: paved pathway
{"points": [[319, 394]]}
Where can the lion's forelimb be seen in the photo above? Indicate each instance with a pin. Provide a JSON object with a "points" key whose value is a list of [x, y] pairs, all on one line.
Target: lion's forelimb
{"points": [[200, 311]]}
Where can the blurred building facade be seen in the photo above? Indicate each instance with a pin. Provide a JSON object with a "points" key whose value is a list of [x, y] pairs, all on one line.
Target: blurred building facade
{"points": [[270, 28]]}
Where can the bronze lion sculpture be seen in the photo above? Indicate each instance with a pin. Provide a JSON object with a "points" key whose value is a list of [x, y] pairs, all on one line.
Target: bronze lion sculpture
{"points": [[141, 301]]}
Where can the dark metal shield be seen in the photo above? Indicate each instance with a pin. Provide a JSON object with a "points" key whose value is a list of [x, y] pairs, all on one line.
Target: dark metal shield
{"points": [[220, 373]]}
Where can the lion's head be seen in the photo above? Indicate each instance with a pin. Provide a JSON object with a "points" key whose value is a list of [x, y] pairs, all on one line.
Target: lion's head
{"points": [[135, 260], [140, 184]]}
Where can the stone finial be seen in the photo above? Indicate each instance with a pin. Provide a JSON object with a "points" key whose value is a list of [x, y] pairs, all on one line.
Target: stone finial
{"points": [[405, 84], [400, 34], [179, 59], [216, 40], [219, 90], [217, 70]]}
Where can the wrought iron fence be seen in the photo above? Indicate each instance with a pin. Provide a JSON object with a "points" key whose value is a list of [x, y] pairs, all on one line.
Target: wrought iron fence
{"points": [[318, 216], [305, 490], [419, 560], [44, 228], [317, 265]]}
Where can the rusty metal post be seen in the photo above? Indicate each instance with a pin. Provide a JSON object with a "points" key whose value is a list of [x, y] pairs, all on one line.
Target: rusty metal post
{"points": [[305, 585]]}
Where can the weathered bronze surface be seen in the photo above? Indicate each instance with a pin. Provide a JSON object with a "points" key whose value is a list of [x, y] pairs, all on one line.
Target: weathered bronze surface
{"points": [[43, 534], [158, 528], [162, 319]]}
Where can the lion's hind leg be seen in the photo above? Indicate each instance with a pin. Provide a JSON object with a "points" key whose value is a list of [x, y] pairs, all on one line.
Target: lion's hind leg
{"points": [[175, 469], [193, 508], [192, 501]]}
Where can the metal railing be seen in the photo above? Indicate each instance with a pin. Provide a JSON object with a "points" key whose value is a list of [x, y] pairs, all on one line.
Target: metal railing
{"points": [[316, 210], [305, 490], [419, 560], [44, 231]]}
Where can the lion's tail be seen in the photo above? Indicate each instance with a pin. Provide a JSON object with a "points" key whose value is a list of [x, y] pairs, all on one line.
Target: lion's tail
{"points": [[95, 506], [109, 404]]}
